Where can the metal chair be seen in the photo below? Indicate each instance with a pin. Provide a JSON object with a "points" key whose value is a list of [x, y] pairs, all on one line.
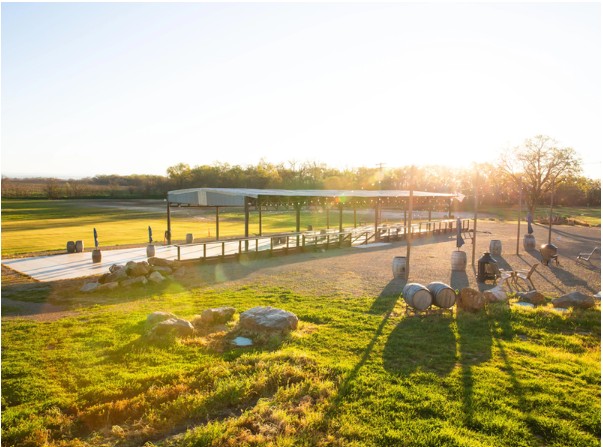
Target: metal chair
{"points": [[586, 256]]}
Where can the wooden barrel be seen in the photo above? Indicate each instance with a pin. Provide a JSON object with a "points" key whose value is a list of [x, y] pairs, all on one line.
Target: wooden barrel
{"points": [[417, 296], [70, 247], [399, 267], [529, 242], [96, 256], [150, 251], [189, 238], [496, 247], [443, 295], [459, 261], [79, 246]]}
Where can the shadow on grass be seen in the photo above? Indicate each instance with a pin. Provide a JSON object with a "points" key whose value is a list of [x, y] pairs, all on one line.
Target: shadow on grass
{"points": [[421, 343]]}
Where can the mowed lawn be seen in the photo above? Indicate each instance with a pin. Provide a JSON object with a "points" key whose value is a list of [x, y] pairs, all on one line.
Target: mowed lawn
{"points": [[42, 226], [358, 371]]}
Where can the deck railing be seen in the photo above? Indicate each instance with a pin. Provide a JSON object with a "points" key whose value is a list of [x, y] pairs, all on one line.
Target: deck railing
{"points": [[323, 239]]}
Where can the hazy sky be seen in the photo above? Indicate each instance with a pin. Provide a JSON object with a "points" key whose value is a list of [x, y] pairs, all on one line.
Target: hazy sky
{"points": [[115, 88]]}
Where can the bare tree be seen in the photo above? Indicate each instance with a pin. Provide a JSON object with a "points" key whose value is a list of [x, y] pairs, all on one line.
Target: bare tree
{"points": [[537, 165]]}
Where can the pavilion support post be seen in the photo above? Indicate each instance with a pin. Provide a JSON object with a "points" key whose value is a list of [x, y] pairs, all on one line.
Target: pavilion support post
{"points": [[474, 222], [168, 233], [377, 221], [355, 221], [327, 210], [260, 215], [217, 223], [246, 209], [519, 221], [340, 222], [409, 228], [297, 221]]}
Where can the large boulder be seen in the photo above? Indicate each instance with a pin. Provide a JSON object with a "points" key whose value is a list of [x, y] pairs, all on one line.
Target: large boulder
{"points": [[116, 274], [268, 319], [156, 277], [137, 280], [162, 262], [496, 294], [161, 269], [532, 296], [219, 315], [176, 326], [159, 316], [471, 300], [135, 269], [574, 299]]}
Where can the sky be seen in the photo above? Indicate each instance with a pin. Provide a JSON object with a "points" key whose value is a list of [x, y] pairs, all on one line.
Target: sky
{"points": [[134, 88]]}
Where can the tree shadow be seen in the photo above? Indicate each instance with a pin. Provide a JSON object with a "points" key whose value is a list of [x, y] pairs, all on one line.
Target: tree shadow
{"points": [[474, 344], [426, 344], [384, 304]]}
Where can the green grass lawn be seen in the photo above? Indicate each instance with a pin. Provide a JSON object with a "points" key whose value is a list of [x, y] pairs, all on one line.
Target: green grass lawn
{"points": [[356, 372], [34, 226]]}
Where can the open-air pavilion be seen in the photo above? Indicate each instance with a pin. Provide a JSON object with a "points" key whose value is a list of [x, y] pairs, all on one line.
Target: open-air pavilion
{"points": [[261, 199]]}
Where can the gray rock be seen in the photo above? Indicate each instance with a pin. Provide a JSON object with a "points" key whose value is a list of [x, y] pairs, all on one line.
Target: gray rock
{"points": [[471, 300], [161, 269], [218, 315], [159, 316], [136, 269], [178, 326], [116, 267], [156, 277], [574, 299], [532, 297], [161, 262], [89, 287], [268, 319], [108, 286], [137, 280], [115, 275]]}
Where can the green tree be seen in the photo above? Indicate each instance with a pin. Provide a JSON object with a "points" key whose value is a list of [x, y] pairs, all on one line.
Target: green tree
{"points": [[537, 166]]}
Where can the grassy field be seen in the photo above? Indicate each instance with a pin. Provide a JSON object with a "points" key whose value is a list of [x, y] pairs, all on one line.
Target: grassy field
{"points": [[43, 226], [35, 226], [356, 372], [581, 215]]}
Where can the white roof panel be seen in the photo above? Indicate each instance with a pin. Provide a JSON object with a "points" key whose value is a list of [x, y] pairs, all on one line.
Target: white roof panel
{"points": [[236, 196]]}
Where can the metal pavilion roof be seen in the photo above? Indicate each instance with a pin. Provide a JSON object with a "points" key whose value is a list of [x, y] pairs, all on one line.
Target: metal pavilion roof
{"points": [[236, 196]]}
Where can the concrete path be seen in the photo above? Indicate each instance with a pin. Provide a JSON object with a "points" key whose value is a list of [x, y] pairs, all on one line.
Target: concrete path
{"points": [[77, 265]]}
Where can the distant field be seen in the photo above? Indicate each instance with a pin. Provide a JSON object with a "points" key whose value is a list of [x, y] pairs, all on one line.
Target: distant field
{"points": [[581, 215], [45, 226]]}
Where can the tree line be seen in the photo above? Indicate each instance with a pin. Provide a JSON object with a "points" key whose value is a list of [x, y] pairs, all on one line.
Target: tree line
{"points": [[535, 168]]}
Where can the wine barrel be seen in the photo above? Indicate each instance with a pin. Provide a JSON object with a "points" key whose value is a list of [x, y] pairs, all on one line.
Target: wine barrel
{"points": [[399, 267], [529, 242], [189, 238], [459, 261], [96, 256], [496, 247], [150, 251], [79, 246], [417, 296], [70, 247], [443, 295]]}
